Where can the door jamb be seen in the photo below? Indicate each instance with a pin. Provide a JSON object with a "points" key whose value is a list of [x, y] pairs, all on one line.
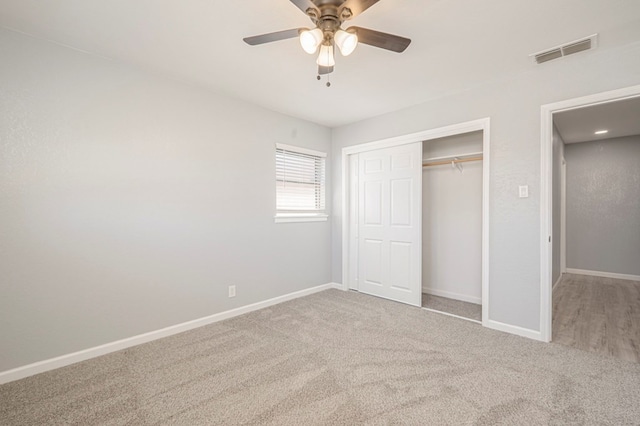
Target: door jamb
{"points": [[563, 216], [546, 191], [482, 124]]}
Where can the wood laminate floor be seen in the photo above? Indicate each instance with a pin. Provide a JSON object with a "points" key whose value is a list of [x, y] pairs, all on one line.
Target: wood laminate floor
{"points": [[599, 315]]}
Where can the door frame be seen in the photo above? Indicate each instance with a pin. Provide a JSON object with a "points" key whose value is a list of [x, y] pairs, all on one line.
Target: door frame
{"points": [[482, 124], [563, 217], [546, 192]]}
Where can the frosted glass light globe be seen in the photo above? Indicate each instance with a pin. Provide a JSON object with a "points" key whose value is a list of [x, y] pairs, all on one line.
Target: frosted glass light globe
{"points": [[311, 39]]}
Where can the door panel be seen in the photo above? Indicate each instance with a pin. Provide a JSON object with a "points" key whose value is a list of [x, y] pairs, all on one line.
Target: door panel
{"points": [[401, 161], [372, 165], [390, 234], [373, 203], [400, 264], [372, 254], [401, 202]]}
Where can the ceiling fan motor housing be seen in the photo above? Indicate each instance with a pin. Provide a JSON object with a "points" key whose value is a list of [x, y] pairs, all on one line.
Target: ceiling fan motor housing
{"points": [[330, 19]]}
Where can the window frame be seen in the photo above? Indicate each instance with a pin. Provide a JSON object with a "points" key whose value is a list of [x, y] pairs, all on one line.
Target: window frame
{"points": [[289, 216]]}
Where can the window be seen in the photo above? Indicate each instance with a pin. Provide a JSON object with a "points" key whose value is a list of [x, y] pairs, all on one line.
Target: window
{"points": [[300, 184]]}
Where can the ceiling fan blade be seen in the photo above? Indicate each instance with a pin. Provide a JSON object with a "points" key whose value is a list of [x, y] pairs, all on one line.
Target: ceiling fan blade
{"points": [[358, 6], [382, 40], [324, 70], [304, 5], [268, 38]]}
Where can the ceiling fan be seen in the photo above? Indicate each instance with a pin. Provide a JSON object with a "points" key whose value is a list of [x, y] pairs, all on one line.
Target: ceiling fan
{"points": [[327, 17]]}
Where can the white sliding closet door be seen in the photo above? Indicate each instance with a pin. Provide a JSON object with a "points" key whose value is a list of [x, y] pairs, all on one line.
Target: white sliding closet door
{"points": [[390, 223]]}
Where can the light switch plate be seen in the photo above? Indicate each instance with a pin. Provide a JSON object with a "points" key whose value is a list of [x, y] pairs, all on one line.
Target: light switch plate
{"points": [[523, 191]]}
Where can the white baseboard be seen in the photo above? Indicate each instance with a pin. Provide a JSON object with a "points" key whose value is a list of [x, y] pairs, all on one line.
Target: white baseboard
{"points": [[339, 286], [452, 315], [604, 274], [83, 355], [514, 329], [553, 288], [451, 295]]}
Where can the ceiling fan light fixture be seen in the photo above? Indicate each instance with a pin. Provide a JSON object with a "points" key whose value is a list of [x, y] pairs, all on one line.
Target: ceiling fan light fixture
{"points": [[346, 41], [328, 17], [325, 58], [311, 39]]}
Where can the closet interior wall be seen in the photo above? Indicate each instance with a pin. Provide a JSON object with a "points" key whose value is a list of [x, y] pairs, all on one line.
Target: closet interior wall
{"points": [[452, 220]]}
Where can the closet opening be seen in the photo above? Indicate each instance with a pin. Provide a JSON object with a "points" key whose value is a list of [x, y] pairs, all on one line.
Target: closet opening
{"points": [[452, 185], [385, 252]]}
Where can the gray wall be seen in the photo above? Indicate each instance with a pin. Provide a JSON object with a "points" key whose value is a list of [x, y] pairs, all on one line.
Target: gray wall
{"points": [[603, 205], [513, 104], [129, 202], [558, 158]]}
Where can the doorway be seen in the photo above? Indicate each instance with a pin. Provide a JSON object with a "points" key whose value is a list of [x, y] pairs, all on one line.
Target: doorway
{"points": [[589, 247], [352, 242]]}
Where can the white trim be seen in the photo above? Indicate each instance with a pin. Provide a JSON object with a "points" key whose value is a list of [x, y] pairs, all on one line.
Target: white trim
{"points": [[546, 189], [291, 218], [603, 274], [339, 286], [345, 217], [557, 282], [72, 358], [513, 329], [546, 226], [484, 125], [301, 150], [452, 315], [352, 207], [563, 215], [486, 173], [451, 295], [441, 132]]}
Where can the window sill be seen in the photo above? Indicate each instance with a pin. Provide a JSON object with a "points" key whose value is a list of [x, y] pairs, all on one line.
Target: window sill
{"points": [[301, 217]]}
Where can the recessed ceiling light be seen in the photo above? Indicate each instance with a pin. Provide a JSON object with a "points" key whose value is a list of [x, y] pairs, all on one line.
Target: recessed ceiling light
{"points": [[601, 132]]}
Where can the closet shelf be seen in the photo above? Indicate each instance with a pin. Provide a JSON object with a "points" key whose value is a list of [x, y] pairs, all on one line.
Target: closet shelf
{"points": [[452, 157]]}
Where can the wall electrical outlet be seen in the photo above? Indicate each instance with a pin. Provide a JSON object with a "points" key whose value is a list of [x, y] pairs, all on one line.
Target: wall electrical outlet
{"points": [[232, 291], [523, 191]]}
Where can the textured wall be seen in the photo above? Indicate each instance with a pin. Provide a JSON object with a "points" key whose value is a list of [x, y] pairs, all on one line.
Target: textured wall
{"points": [[603, 205], [129, 203], [513, 103]]}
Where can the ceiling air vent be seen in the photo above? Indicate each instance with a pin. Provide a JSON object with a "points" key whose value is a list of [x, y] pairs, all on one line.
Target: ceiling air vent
{"points": [[548, 55], [566, 49]]}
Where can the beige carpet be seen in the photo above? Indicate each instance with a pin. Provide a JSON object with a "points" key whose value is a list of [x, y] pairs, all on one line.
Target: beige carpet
{"points": [[334, 358]]}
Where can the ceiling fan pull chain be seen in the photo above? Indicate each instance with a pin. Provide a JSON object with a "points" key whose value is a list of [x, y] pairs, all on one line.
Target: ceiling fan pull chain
{"points": [[328, 79]]}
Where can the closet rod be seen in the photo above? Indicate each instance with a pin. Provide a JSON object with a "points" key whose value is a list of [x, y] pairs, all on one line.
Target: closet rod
{"points": [[460, 160]]}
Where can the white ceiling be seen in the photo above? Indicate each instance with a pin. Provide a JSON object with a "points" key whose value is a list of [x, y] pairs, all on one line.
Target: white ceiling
{"points": [[456, 44], [621, 118]]}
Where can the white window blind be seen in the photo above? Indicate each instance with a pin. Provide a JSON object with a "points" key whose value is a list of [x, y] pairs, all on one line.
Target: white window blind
{"points": [[300, 180]]}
